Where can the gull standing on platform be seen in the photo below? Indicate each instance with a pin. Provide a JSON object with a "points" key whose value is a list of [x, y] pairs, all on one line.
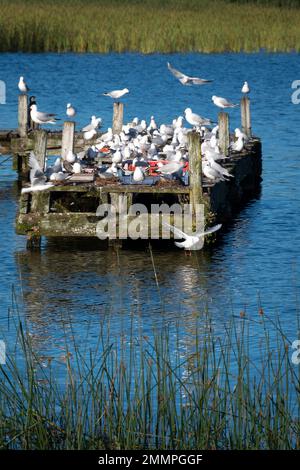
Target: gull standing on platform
{"points": [[88, 135], [196, 120], [138, 174], [42, 118], [238, 145], [238, 133], [94, 124]]}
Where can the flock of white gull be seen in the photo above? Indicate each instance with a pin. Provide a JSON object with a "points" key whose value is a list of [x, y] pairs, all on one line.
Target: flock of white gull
{"points": [[140, 143]]}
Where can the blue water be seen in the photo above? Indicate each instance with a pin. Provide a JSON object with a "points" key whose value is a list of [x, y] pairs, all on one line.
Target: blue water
{"points": [[74, 286]]}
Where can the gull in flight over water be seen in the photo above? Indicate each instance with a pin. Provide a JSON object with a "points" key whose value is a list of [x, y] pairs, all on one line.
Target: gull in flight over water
{"points": [[116, 94], [185, 79], [42, 118], [223, 102], [22, 85], [191, 242]]}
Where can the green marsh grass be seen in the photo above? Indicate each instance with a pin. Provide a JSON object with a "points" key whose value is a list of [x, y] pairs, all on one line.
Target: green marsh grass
{"points": [[149, 26], [141, 392]]}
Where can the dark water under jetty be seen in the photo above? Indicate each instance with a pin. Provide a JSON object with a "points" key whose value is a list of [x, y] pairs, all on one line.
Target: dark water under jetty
{"points": [[74, 286]]}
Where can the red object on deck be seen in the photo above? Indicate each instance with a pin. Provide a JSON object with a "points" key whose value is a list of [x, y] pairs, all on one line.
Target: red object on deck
{"points": [[153, 169]]}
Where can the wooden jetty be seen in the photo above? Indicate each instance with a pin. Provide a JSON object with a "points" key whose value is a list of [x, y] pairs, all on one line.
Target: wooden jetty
{"points": [[68, 209]]}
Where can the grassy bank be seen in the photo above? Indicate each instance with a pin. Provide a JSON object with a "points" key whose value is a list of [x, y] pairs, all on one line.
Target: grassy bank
{"points": [[149, 26], [132, 393]]}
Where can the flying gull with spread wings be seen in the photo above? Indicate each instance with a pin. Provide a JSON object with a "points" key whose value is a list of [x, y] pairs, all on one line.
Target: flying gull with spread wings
{"points": [[186, 79]]}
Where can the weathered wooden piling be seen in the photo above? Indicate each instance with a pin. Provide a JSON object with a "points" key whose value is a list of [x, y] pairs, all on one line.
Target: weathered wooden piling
{"points": [[223, 119], [195, 165], [40, 146], [39, 201], [118, 118], [23, 115], [33, 241], [68, 134], [245, 115]]}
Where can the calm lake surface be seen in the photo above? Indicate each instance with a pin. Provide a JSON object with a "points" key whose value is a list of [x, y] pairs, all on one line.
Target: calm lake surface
{"points": [[75, 286]]}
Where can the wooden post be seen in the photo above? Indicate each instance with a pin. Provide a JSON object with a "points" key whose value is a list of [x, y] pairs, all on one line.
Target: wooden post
{"points": [[195, 164], [246, 116], [67, 143], [224, 133], [40, 146], [118, 118], [23, 115], [38, 200], [33, 241], [118, 201]]}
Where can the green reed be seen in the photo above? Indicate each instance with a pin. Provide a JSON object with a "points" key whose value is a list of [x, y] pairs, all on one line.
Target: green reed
{"points": [[148, 26], [139, 392]]}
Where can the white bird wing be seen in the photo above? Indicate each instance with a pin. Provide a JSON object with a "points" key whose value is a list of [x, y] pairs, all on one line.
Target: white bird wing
{"points": [[197, 118], [220, 168], [210, 172], [39, 187], [199, 81], [179, 233], [87, 128], [45, 116], [33, 163], [57, 167], [186, 79], [225, 172], [209, 230], [216, 166], [223, 101], [171, 167], [114, 94], [176, 72]]}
